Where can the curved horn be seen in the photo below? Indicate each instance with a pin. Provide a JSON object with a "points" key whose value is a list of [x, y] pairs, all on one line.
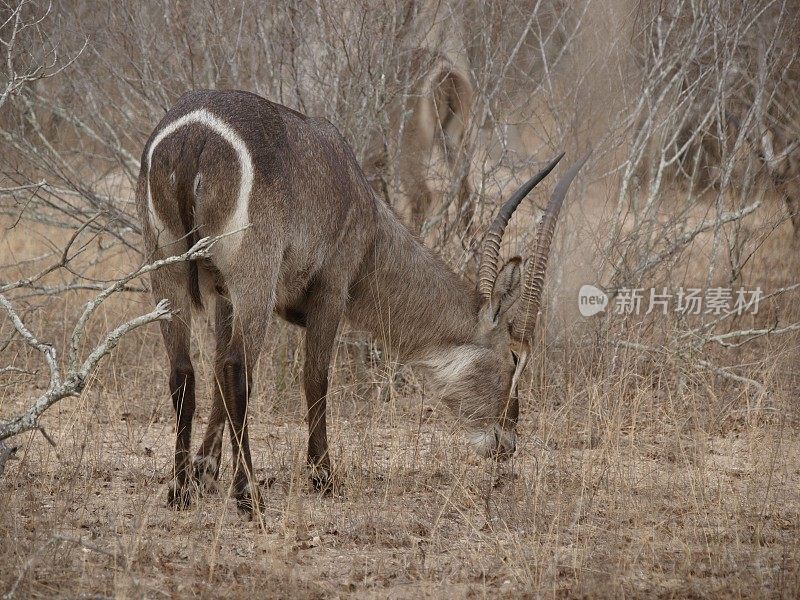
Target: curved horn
{"points": [[491, 245], [533, 282]]}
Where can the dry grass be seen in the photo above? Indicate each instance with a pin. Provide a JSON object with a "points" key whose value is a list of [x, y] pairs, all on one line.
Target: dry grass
{"points": [[637, 476]]}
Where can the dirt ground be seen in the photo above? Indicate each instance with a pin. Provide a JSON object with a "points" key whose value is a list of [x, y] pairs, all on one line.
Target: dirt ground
{"points": [[636, 477]]}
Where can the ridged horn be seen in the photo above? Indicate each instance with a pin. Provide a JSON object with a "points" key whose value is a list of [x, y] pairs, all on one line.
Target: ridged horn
{"points": [[524, 321], [487, 274]]}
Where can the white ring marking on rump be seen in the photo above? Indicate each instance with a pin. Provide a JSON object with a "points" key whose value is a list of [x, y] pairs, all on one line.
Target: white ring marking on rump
{"points": [[240, 217]]}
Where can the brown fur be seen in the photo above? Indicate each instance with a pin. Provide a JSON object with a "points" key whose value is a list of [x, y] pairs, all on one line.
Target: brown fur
{"points": [[320, 247]]}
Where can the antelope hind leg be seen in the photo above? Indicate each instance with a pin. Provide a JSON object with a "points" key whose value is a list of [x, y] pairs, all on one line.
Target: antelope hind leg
{"points": [[177, 333], [209, 455]]}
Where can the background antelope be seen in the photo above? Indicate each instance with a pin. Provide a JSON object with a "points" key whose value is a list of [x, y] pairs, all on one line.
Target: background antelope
{"points": [[428, 123], [318, 248]]}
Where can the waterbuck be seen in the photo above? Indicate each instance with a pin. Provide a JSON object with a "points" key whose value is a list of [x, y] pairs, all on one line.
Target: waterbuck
{"points": [[316, 246]]}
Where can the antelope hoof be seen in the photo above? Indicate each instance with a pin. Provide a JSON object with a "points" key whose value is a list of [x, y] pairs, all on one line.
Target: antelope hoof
{"points": [[248, 500], [206, 472], [179, 496], [323, 481]]}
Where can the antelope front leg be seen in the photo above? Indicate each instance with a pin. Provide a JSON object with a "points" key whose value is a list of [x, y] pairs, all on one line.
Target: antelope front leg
{"points": [[318, 456], [320, 336]]}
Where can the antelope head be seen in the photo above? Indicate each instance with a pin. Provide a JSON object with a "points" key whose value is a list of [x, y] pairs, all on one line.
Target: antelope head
{"points": [[479, 380]]}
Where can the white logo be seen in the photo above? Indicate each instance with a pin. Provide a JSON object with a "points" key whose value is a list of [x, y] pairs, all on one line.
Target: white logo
{"points": [[591, 300]]}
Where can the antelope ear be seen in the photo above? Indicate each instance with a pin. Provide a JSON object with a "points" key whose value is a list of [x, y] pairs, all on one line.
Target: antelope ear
{"points": [[504, 292]]}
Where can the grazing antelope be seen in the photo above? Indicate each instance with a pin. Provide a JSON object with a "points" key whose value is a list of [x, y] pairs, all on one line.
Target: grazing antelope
{"points": [[429, 121], [318, 247]]}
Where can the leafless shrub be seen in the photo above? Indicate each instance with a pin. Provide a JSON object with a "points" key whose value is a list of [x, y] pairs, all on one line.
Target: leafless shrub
{"points": [[714, 75], [701, 80]]}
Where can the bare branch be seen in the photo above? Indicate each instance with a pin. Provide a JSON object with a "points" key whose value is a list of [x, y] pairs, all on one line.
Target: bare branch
{"points": [[703, 364], [77, 373]]}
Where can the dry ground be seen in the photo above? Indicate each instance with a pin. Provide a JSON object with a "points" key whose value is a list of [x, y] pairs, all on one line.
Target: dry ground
{"points": [[638, 476]]}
